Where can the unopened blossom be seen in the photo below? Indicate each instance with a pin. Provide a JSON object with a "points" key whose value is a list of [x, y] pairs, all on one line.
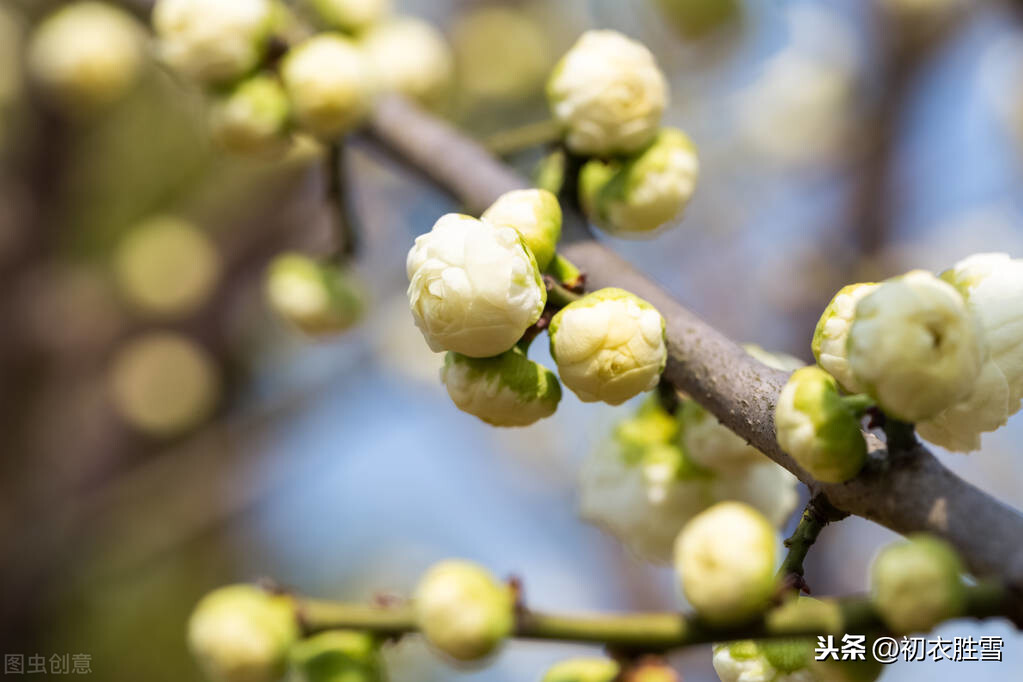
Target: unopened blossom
{"points": [[767, 661], [474, 288], [463, 611], [764, 485], [213, 41], [915, 346], [411, 57], [725, 559], [533, 213], [317, 299], [351, 16], [242, 633], [335, 656], [638, 195], [330, 83], [583, 670], [710, 443], [609, 346], [505, 390], [252, 118], [608, 93], [831, 337], [917, 583]]}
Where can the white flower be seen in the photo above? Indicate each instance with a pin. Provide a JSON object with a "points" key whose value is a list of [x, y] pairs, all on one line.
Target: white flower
{"points": [[473, 288], [648, 191], [507, 390], [609, 346], [915, 347], [252, 118], [748, 661], [958, 428], [330, 83], [242, 633], [351, 15], [86, 54], [916, 584], [831, 337], [535, 214], [213, 41], [725, 559], [819, 430], [411, 57], [462, 610], [317, 299], [608, 93]]}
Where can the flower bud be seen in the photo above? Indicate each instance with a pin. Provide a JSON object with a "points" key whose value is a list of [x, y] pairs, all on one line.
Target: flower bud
{"points": [[915, 347], [86, 55], [252, 118], [463, 611], [725, 559], [533, 213], [474, 288], [609, 346], [785, 660], [351, 16], [831, 337], [583, 670], [710, 443], [316, 299], [330, 83], [763, 485], [242, 633], [608, 94], [506, 390], [645, 192], [819, 430], [411, 57], [337, 656], [916, 584], [213, 41]]}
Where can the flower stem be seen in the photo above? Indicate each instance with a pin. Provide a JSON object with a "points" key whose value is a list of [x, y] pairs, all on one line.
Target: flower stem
{"points": [[817, 514]]}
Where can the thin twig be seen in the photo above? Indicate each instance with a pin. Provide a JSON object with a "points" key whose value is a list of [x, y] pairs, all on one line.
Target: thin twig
{"points": [[340, 202], [817, 514]]}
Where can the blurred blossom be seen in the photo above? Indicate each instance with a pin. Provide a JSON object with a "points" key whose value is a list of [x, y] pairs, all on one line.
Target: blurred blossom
{"points": [[411, 57], [166, 266], [694, 19], [163, 383]]}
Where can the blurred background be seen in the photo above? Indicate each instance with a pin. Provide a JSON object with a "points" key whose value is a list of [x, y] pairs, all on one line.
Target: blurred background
{"points": [[163, 434]]}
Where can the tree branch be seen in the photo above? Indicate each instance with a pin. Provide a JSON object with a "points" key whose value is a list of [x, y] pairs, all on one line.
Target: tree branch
{"points": [[905, 491]]}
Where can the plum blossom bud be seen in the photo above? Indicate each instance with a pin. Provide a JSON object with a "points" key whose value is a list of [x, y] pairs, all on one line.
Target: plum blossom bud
{"points": [[337, 655], [763, 485], [533, 213], [86, 55], [506, 390], [785, 660], [915, 347], [411, 57], [351, 16], [213, 41], [608, 94], [242, 633], [463, 611], [819, 430], [645, 192], [916, 584], [316, 299], [710, 443], [252, 118], [609, 346], [583, 670], [474, 288], [831, 337], [725, 559], [330, 83]]}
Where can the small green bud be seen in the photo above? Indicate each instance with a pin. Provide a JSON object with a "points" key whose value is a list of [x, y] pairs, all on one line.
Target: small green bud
{"points": [[506, 390], [242, 633], [317, 299], [799, 613], [819, 430], [583, 670], [533, 213], [917, 584], [337, 656], [252, 118], [463, 611]]}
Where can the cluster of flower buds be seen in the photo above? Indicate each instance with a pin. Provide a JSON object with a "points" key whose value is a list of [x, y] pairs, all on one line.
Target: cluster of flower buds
{"points": [[318, 299], [476, 287], [608, 95]]}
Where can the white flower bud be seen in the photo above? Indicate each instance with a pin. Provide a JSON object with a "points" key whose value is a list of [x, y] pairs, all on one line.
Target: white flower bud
{"points": [[915, 347], [819, 430], [213, 41], [641, 194], [319, 300], [533, 213], [330, 83], [767, 661], [608, 93], [710, 443], [411, 57], [86, 55], [351, 16], [830, 343], [583, 670], [506, 390], [725, 559], [958, 428], [252, 118], [609, 346], [763, 485], [463, 611], [474, 288], [916, 584], [337, 655], [242, 633]]}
